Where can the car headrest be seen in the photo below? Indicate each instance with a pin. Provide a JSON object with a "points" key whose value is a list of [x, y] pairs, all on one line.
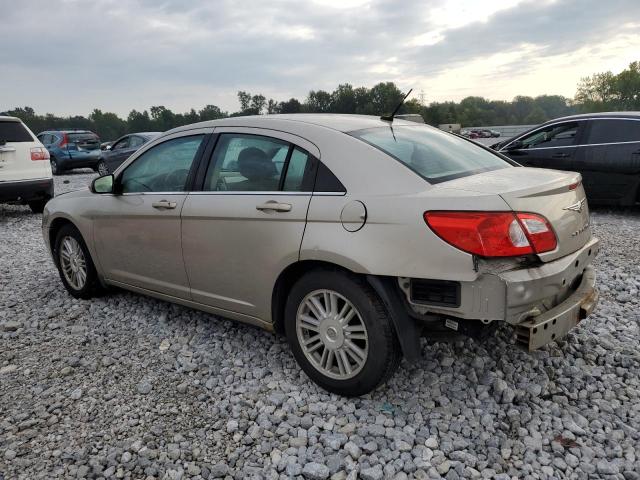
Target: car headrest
{"points": [[254, 164]]}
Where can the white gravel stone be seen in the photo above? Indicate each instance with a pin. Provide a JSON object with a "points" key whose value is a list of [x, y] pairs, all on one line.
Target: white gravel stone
{"points": [[71, 404]]}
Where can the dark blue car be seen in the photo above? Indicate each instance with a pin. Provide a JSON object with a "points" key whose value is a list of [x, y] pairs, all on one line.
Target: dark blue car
{"points": [[114, 155], [70, 149]]}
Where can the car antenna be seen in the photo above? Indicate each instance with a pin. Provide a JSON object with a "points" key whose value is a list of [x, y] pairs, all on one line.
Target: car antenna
{"points": [[389, 118]]}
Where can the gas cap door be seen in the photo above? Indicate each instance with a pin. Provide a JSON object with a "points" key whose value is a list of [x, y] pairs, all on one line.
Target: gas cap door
{"points": [[353, 216]]}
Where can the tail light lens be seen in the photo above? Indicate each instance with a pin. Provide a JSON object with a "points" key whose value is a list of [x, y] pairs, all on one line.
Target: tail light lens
{"points": [[493, 234], [64, 142], [39, 153]]}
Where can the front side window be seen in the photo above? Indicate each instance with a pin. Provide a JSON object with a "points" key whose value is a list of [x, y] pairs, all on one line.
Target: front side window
{"points": [[614, 131], [562, 135], [435, 155], [163, 168], [121, 145], [135, 141], [255, 163]]}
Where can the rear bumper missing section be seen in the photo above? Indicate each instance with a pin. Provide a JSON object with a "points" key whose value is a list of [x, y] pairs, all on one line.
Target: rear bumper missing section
{"points": [[554, 324]]}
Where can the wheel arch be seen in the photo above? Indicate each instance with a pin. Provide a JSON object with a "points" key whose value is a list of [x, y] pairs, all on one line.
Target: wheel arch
{"points": [[287, 278], [406, 329]]}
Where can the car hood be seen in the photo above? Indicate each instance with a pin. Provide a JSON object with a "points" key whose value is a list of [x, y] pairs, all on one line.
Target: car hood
{"points": [[556, 195]]}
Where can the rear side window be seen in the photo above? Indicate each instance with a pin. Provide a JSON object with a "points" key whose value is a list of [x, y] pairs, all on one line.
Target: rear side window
{"points": [[14, 132], [612, 131], [255, 163], [434, 155]]}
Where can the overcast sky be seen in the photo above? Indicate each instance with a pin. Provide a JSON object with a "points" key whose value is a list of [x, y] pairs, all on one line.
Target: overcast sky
{"points": [[69, 56]]}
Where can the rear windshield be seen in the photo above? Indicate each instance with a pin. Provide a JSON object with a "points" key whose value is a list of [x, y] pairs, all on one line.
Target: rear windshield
{"points": [[14, 132], [435, 155], [82, 138]]}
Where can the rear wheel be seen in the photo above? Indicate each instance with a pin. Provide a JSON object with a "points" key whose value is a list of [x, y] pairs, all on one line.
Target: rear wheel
{"points": [[340, 333], [55, 168], [37, 206], [77, 271]]}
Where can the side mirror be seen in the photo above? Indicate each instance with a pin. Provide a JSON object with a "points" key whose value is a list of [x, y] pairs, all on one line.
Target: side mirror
{"points": [[108, 147], [103, 184]]}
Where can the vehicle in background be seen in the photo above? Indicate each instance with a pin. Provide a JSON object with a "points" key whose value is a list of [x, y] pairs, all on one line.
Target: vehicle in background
{"points": [[603, 147], [70, 149], [113, 156], [25, 174], [350, 234], [470, 134], [494, 133]]}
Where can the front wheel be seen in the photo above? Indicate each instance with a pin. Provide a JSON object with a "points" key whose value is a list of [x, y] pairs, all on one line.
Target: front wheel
{"points": [[77, 271], [102, 168], [340, 333]]}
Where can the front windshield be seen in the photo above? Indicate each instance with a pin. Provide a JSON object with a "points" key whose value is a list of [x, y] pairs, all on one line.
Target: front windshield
{"points": [[433, 154]]}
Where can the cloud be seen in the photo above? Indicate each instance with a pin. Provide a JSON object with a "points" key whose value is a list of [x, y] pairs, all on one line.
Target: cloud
{"points": [[70, 56]]}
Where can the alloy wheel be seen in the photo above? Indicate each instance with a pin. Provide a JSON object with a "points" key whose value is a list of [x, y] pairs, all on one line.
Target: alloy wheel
{"points": [[54, 166], [73, 263], [102, 169], [332, 334]]}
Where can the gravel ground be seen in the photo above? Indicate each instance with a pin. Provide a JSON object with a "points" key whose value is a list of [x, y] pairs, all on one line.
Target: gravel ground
{"points": [[129, 387]]}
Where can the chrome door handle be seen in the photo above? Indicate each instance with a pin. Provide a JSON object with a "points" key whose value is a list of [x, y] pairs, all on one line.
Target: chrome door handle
{"points": [[7, 149], [164, 205], [274, 206]]}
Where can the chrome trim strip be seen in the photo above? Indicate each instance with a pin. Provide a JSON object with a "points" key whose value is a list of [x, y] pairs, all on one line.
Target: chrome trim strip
{"points": [[572, 146]]}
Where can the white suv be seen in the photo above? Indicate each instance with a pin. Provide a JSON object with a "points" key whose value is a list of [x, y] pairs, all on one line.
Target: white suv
{"points": [[25, 173]]}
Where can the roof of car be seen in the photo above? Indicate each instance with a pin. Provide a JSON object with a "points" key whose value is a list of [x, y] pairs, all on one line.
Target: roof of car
{"points": [[5, 118], [145, 134], [66, 131], [584, 116], [339, 122]]}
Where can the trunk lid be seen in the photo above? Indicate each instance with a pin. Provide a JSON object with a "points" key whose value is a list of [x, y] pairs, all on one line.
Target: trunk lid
{"points": [[542, 191]]}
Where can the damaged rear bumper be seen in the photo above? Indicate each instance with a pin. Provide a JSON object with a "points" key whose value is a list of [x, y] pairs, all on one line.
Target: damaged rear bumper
{"points": [[554, 324]]}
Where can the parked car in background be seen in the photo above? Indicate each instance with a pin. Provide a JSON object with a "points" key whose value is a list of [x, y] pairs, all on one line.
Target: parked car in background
{"points": [[70, 149], [25, 175], [349, 236], [603, 147], [113, 156]]}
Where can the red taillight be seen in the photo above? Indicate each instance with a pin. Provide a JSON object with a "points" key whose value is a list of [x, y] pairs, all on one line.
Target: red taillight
{"points": [[39, 153], [493, 234], [64, 141]]}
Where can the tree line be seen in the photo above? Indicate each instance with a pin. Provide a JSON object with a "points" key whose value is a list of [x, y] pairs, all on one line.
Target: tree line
{"points": [[600, 92]]}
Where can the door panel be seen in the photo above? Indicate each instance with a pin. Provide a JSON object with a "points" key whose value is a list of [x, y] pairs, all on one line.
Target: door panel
{"points": [[137, 231], [234, 252], [139, 244], [242, 230]]}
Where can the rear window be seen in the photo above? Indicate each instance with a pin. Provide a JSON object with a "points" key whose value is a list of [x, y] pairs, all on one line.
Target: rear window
{"points": [[14, 132], [434, 155], [82, 138]]}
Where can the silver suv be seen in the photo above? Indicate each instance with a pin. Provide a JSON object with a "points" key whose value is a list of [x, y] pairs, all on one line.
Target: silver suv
{"points": [[352, 235]]}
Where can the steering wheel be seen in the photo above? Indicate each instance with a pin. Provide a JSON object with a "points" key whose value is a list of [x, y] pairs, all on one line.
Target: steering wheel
{"points": [[176, 178]]}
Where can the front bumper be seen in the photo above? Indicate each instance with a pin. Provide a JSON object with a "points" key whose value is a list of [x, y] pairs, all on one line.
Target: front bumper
{"points": [[556, 323], [26, 190]]}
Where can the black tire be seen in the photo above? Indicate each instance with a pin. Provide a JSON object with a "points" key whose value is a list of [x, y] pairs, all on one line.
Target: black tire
{"points": [[92, 284], [37, 206], [384, 350], [102, 168], [55, 168]]}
